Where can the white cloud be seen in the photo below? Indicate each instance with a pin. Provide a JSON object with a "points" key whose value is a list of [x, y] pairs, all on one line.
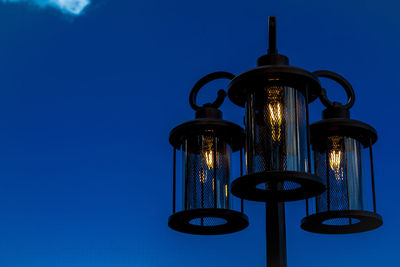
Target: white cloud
{"points": [[73, 7]]}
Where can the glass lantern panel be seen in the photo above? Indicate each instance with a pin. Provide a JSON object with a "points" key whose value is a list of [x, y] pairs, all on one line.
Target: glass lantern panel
{"points": [[339, 164], [276, 130], [206, 172]]}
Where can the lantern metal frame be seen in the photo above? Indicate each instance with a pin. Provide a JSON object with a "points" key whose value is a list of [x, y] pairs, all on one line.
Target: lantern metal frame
{"points": [[208, 117], [336, 122], [274, 69]]}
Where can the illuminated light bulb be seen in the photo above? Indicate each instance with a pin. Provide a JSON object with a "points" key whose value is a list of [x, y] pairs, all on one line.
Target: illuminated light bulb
{"points": [[226, 191], [208, 157], [335, 157], [274, 110]]}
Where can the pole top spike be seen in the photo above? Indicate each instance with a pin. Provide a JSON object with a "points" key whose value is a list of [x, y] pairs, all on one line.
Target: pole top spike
{"points": [[272, 57], [272, 35]]}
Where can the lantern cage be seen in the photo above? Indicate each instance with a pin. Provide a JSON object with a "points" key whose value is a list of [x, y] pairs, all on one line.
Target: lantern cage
{"points": [[276, 98], [206, 145], [337, 143]]}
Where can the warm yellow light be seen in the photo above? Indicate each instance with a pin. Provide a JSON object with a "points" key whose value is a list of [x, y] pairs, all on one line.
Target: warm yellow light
{"points": [[275, 112], [335, 157], [203, 176], [226, 191], [208, 157]]}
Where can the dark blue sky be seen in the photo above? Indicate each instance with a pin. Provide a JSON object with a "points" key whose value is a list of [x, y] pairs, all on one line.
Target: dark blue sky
{"points": [[87, 103]]}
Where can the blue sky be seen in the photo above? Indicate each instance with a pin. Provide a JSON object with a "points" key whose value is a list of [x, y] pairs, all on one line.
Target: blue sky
{"points": [[87, 102]]}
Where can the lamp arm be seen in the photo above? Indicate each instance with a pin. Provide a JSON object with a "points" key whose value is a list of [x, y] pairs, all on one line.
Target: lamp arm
{"points": [[343, 82], [203, 81]]}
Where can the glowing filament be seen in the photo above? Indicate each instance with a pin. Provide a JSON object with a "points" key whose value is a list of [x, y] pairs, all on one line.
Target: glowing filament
{"points": [[208, 157], [275, 112], [226, 191], [335, 157]]}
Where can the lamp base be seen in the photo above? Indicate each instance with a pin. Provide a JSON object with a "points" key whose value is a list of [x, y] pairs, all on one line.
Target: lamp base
{"points": [[277, 186], [208, 221], [341, 222]]}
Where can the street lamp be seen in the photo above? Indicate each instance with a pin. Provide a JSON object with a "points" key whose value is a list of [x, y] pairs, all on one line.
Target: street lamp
{"points": [[337, 142], [206, 145], [279, 144]]}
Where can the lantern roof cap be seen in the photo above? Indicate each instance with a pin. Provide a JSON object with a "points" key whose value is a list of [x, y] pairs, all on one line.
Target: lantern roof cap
{"points": [[282, 75], [358, 130], [232, 133]]}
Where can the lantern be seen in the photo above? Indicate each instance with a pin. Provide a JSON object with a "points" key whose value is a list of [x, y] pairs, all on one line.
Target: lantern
{"points": [[337, 143], [276, 98], [206, 145], [279, 144]]}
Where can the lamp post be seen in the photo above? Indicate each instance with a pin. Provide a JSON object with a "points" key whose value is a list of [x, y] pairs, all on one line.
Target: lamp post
{"points": [[279, 145]]}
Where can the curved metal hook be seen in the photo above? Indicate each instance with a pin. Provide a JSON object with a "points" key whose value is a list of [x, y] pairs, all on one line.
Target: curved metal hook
{"points": [[343, 82], [203, 81]]}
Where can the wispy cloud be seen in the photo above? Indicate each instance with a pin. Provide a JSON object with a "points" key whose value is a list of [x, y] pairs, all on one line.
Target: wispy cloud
{"points": [[73, 7]]}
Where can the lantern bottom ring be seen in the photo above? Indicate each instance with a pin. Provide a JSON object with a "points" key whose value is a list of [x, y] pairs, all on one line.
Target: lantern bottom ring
{"points": [[208, 221], [277, 186], [341, 222]]}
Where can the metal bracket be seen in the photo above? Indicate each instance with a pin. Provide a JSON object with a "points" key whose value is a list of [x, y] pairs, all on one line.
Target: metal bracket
{"points": [[343, 82], [203, 81]]}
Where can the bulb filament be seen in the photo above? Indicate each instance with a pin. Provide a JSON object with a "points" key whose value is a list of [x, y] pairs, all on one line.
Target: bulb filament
{"points": [[335, 157], [275, 112], [208, 157]]}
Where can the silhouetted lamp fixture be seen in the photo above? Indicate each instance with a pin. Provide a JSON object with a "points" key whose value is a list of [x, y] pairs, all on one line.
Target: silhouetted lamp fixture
{"points": [[276, 98], [206, 145], [277, 143], [337, 143]]}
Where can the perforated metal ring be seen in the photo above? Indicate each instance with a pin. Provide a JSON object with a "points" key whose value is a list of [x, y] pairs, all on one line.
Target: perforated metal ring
{"points": [[293, 186], [229, 221], [359, 221]]}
